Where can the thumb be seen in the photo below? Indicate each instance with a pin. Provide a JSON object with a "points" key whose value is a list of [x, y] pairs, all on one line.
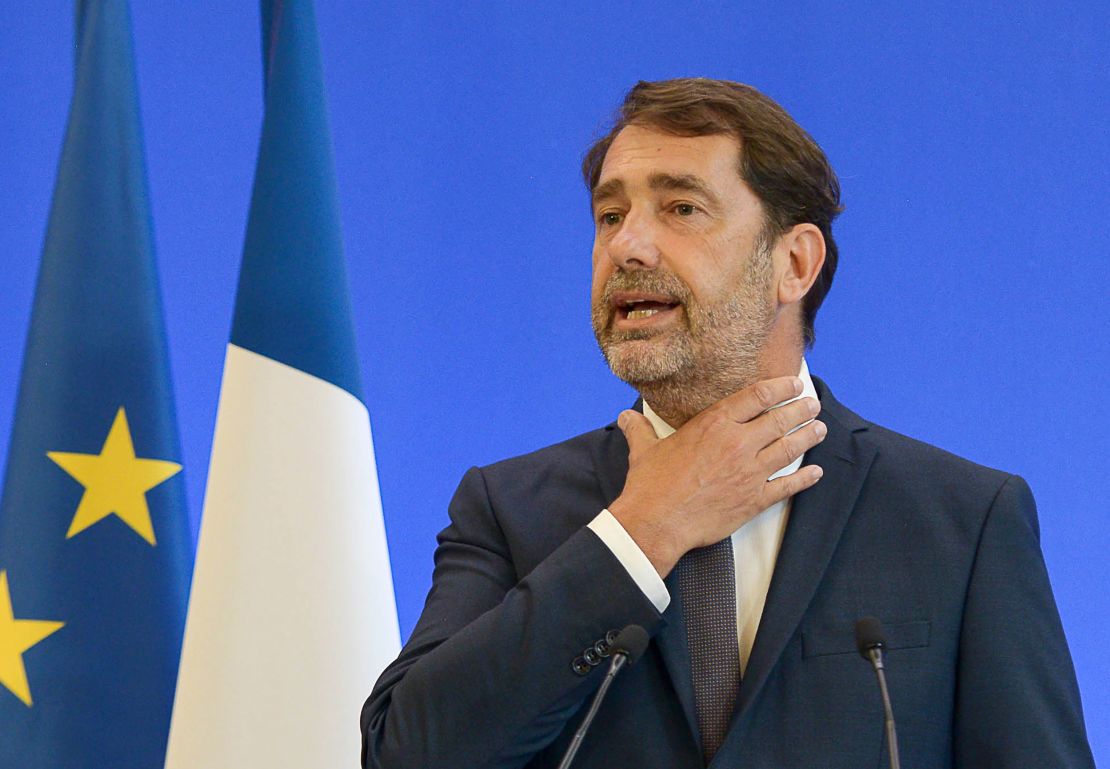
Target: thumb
{"points": [[637, 430]]}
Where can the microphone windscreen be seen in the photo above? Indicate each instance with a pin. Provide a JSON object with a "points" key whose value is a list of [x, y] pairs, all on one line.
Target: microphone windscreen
{"points": [[632, 641], [869, 635]]}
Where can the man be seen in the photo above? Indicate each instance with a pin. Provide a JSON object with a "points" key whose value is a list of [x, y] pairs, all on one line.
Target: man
{"points": [[744, 534]]}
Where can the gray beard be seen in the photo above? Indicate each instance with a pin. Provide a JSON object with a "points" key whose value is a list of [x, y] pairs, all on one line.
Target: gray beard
{"points": [[714, 352]]}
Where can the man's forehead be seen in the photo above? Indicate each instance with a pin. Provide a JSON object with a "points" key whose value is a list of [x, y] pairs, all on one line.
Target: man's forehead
{"points": [[642, 157], [641, 154]]}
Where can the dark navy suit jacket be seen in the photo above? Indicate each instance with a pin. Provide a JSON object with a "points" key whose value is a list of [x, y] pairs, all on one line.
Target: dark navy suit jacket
{"points": [[944, 552]]}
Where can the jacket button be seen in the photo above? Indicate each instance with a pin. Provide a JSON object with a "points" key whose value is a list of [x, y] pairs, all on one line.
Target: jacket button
{"points": [[611, 636], [580, 666], [602, 647], [591, 656]]}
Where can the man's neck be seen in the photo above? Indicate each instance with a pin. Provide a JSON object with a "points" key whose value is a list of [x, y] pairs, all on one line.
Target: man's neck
{"points": [[676, 402]]}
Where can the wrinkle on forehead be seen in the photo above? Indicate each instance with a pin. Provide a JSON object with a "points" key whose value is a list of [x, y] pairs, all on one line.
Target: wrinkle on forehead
{"points": [[637, 149]]}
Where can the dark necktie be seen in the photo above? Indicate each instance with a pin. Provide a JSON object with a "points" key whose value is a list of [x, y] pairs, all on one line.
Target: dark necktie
{"points": [[707, 581]]}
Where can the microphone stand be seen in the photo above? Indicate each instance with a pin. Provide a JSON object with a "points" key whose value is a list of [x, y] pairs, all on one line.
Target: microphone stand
{"points": [[626, 649], [876, 656], [619, 660], [870, 642]]}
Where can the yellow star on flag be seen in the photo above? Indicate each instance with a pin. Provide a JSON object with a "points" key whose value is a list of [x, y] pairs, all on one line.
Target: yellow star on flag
{"points": [[16, 637], [115, 481]]}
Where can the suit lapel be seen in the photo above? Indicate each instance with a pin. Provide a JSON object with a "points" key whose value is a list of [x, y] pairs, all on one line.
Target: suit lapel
{"points": [[817, 519], [612, 469]]}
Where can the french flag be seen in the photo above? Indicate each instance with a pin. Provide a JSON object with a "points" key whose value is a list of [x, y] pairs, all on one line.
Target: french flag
{"points": [[292, 613]]}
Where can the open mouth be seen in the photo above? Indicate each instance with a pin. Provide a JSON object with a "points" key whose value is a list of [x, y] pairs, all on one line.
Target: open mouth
{"points": [[637, 307]]}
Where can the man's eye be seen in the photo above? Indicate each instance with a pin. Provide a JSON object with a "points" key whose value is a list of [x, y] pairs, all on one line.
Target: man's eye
{"points": [[685, 209], [610, 218]]}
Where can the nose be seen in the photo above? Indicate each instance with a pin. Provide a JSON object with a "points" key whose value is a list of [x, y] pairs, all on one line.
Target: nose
{"points": [[633, 246]]}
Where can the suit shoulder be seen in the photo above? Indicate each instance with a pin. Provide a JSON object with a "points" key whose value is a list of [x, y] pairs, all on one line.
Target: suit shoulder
{"points": [[541, 498], [913, 463], [906, 467], [574, 454], [905, 456], [932, 456]]}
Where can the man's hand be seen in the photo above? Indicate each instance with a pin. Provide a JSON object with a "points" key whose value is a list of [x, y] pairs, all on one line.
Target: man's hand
{"points": [[704, 482]]}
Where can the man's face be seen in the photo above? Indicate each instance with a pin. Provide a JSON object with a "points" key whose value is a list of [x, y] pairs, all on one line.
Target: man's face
{"points": [[682, 267]]}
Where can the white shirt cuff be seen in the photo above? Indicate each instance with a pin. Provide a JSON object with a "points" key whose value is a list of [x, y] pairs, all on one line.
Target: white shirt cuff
{"points": [[609, 530]]}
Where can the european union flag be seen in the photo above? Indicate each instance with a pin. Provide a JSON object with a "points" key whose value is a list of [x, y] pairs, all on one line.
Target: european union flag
{"points": [[95, 553]]}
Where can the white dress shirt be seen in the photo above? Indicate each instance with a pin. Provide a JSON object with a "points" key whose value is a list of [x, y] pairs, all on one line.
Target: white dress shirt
{"points": [[755, 546]]}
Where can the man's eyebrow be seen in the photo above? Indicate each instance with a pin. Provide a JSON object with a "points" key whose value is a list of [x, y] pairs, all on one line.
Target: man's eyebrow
{"points": [[657, 181], [609, 189], [683, 183]]}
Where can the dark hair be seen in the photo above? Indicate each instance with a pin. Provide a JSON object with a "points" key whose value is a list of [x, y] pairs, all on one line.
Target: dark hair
{"points": [[779, 161]]}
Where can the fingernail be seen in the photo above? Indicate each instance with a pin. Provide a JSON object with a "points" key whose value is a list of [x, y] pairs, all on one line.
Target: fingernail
{"points": [[813, 405], [797, 386], [820, 429], [621, 419], [817, 472]]}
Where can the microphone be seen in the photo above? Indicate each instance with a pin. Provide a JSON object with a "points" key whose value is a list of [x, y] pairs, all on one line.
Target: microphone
{"points": [[625, 650], [870, 643]]}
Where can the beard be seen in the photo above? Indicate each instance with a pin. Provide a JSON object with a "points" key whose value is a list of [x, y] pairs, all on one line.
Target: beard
{"points": [[713, 351]]}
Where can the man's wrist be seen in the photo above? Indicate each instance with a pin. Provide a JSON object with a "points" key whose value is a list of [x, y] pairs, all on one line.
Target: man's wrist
{"points": [[639, 567], [656, 543]]}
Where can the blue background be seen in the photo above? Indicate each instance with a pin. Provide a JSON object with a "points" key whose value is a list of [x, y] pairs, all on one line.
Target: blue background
{"points": [[968, 310]]}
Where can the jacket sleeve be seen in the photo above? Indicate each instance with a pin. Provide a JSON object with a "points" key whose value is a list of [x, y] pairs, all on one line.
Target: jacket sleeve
{"points": [[1017, 701], [486, 680]]}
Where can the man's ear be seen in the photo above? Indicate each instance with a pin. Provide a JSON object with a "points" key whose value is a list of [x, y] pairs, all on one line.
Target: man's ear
{"points": [[803, 254]]}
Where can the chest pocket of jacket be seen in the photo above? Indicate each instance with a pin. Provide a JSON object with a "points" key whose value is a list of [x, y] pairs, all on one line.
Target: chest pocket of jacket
{"points": [[822, 640]]}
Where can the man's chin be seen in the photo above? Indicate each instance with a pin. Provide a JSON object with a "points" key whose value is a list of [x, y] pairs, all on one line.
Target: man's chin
{"points": [[644, 362]]}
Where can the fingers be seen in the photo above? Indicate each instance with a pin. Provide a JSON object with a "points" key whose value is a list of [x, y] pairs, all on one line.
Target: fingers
{"points": [[789, 485], [774, 424], [753, 400], [786, 449], [637, 430]]}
